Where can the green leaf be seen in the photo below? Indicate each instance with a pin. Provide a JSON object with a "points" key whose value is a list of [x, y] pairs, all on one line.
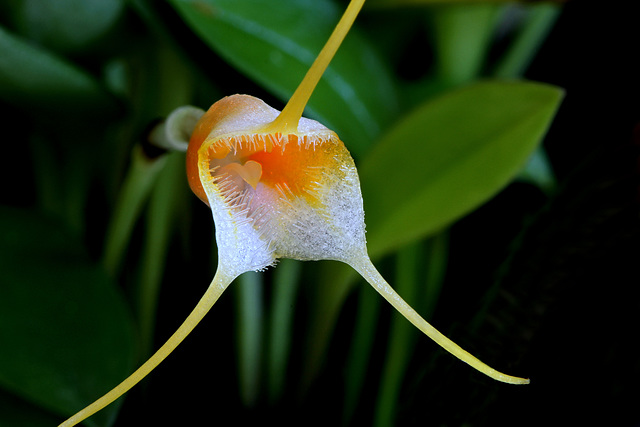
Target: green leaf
{"points": [[463, 35], [249, 332], [286, 280], [360, 351], [538, 22], [31, 77], [64, 25], [167, 199], [324, 312], [66, 334], [275, 46], [137, 186], [449, 156]]}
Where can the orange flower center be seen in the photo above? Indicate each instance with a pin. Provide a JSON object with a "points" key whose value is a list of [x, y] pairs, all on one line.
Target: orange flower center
{"points": [[293, 168]]}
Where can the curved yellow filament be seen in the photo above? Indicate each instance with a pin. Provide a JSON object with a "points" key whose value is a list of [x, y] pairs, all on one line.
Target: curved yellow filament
{"points": [[287, 121], [368, 271], [219, 283]]}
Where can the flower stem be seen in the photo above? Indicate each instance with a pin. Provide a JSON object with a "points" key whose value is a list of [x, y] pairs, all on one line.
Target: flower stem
{"points": [[527, 41], [135, 191], [285, 285], [164, 203], [249, 330]]}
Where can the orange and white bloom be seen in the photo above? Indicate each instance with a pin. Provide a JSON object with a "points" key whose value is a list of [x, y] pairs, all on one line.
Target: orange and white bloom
{"points": [[294, 195]]}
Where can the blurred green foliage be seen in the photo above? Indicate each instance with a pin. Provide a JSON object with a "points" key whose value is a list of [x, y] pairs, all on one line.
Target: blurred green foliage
{"points": [[100, 234]]}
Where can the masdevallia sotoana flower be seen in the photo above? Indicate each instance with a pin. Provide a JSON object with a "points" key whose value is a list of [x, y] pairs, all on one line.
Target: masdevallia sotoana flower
{"points": [[279, 186]]}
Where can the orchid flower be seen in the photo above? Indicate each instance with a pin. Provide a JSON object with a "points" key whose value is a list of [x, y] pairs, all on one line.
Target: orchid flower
{"points": [[279, 186]]}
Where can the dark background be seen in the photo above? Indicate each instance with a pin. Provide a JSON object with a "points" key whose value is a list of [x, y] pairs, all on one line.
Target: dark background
{"points": [[568, 310]]}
